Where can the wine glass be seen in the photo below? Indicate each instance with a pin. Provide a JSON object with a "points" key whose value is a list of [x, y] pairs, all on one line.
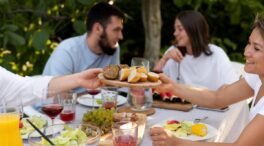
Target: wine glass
{"points": [[93, 92], [52, 105]]}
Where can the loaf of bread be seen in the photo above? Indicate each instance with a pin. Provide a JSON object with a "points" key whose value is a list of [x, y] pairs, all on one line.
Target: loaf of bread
{"points": [[143, 77], [134, 76], [142, 69], [123, 74], [153, 77], [111, 72]]}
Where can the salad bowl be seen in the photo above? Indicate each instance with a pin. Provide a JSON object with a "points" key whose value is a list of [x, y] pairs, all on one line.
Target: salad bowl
{"points": [[67, 135]]}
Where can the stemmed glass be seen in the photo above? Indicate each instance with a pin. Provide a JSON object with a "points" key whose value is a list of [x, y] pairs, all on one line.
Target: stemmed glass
{"points": [[52, 106], [93, 92]]}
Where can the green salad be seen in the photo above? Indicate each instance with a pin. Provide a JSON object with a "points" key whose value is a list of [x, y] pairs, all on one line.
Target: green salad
{"points": [[27, 128], [68, 137]]}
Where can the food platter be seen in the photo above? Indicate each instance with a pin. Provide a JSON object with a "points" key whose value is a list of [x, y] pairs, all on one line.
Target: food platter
{"points": [[118, 83]]}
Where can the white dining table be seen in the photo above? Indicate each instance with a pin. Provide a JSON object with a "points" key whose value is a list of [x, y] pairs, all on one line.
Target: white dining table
{"points": [[229, 124]]}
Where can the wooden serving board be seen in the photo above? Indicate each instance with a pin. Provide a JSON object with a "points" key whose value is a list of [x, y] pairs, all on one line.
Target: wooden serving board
{"points": [[106, 140], [175, 106], [118, 83]]}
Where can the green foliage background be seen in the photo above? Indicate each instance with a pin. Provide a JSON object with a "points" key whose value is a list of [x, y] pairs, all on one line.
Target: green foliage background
{"points": [[30, 30]]}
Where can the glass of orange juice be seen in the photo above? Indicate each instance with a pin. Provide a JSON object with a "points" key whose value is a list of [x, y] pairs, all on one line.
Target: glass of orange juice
{"points": [[9, 125]]}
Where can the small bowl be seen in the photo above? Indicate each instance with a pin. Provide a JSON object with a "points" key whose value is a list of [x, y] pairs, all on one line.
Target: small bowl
{"points": [[93, 133]]}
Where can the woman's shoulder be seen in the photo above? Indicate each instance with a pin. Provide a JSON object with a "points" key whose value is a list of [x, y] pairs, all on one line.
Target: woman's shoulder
{"points": [[217, 50]]}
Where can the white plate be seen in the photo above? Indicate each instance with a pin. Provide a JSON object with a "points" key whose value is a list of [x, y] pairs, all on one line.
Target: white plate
{"points": [[212, 132], [57, 129], [87, 100]]}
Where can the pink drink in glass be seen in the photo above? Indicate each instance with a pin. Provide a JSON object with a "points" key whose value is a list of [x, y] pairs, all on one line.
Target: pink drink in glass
{"points": [[125, 140], [67, 116]]}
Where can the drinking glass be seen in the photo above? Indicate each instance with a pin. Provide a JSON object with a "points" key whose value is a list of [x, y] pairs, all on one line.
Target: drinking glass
{"points": [[52, 105], [109, 97], [125, 134], [140, 99], [93, 92], [137, 61], [9, 124], [69, 107]]}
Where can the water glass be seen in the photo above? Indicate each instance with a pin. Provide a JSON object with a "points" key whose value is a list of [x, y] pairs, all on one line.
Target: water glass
{"points": [[125, 134], [137, 61], [140, 99], [69, 107], [109, 97]]}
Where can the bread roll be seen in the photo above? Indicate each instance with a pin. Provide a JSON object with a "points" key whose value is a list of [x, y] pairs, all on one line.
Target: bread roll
{"points": [[132, 68], [143, 77], [123, 66], [134, 76], [123, 74], [153, 77], [111, 72], [142, 69]]}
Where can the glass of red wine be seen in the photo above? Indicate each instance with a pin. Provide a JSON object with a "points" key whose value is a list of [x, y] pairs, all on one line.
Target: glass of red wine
{"points": [[52, 105], [93, 92]]}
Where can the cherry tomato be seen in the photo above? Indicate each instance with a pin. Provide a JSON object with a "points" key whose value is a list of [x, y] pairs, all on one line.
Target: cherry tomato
{"points": [[21, 124]]}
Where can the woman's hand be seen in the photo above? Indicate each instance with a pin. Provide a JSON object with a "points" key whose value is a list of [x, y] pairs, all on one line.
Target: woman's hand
{"points": [[174, 54], [161, 138], [167, 85], [89, 78]]}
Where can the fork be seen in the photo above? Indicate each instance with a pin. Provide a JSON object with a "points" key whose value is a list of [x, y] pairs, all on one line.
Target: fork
{"points": [[198, 120]]}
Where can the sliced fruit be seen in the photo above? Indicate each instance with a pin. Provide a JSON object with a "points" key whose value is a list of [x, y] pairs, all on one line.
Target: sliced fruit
{"points": [[199, 129]]}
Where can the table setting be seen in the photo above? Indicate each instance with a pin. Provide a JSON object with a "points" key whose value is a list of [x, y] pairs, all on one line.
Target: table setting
{"points": [[105, 117]]}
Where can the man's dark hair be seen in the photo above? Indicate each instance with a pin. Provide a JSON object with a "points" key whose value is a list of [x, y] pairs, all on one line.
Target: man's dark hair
{"points": [[197, 30], [101, 13]]}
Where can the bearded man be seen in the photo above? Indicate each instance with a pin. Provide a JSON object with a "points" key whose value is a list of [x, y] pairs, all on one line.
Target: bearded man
{"points": [[97, 48]]}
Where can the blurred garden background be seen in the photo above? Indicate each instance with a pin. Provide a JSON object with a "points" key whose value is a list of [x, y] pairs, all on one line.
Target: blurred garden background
{"points": [[31, 29]]}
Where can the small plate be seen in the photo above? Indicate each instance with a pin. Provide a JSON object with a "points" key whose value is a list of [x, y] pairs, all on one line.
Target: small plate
{"points": [[212, 132], [87, 100]]}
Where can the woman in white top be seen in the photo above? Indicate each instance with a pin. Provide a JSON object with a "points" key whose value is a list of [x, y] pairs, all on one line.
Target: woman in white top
{"points": [[251, 85], [13, 86], [196, 62]]}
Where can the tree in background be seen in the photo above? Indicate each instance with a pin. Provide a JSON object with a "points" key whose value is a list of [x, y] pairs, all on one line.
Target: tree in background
{"points": [[152, 25]]}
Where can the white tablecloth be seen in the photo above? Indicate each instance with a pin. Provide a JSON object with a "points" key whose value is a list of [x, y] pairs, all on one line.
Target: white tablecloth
{"points": [[229, 124]]}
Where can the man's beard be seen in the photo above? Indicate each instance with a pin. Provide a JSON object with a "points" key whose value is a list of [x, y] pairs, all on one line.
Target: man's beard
{"points": [[105, 46]]}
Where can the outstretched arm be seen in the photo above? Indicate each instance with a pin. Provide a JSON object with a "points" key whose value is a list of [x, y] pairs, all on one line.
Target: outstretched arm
{"points": [[85, 79], [235, 92]]}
